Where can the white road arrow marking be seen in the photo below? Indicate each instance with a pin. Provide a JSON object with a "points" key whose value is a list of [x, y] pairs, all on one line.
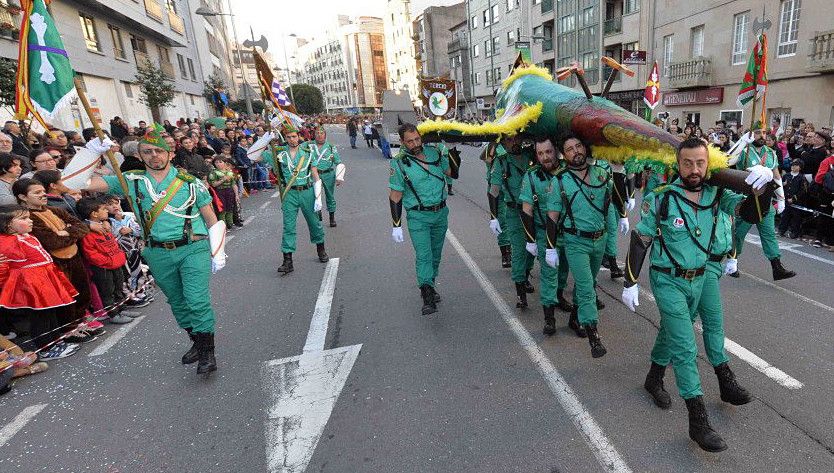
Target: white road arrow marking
{"points": [[303, 389]]}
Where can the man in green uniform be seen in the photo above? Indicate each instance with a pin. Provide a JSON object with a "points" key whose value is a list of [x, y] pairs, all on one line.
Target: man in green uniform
{"points": [[577, 205], [682, 218], [184, 242], [757, 153], [497, 216], [326, 160], [620, 194], [507, 175], [301, 185], [444, 150], [534, 217], [418, 183]]}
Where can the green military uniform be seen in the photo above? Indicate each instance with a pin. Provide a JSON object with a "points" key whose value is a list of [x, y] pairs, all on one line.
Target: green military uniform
{"points": [[766, 157], [444, 150], [182, 267], [296, 172], [583, 211], [686, 239], [612, 219], [508, 173], [424, 200], [215, 179], [503, 237], [325, 159]]}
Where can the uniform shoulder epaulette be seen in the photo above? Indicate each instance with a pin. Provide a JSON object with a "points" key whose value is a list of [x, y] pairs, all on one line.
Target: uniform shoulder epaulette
{"points": [[561, 171], [184, 176], [661, 189]]}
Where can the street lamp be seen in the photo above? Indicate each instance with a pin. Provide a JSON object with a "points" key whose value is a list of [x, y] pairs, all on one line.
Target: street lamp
{"points": [[204, 11], [287, 63]]}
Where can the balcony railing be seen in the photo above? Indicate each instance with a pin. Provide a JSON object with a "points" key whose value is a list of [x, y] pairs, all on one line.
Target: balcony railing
{"points": [[177, 24], [613, 25], [821, 58], [547, 5], [153, 9], [142, 59], [167, 69], [695, 72], [547, 45], [9, 24], [457, 44]]}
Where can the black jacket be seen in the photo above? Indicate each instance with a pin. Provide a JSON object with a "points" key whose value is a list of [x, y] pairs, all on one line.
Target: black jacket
{"points": [[796, 188], [812, 159], [192, 162]]}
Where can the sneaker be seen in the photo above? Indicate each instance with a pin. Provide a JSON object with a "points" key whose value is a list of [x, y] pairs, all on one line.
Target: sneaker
{"points": [[816, 244], [59, 350], [137, 303], [120, 319], [80, 338], [93, 325]]}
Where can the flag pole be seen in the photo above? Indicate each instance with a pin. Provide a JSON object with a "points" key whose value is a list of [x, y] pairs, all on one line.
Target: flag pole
{"points": [[100, 133]]}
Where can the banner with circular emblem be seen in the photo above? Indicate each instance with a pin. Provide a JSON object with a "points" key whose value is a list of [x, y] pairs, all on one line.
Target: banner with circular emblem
{"points": [[439, 98]]}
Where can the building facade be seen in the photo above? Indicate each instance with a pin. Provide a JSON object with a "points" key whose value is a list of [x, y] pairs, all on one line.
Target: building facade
{"points": [[212, 38], [246, 77], [399, 47], [432, 36], [106, 40], [460, 68]]}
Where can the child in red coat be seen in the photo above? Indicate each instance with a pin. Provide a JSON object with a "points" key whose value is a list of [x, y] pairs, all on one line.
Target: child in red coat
{"points": [[34, 287], [105, 258]]}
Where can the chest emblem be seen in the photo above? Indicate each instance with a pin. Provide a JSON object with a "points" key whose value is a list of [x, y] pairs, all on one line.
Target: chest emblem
{"points": [[678, 222]]}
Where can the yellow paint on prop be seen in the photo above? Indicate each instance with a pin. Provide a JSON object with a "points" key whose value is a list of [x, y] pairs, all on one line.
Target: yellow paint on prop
{"points": [[627, 144], [526, 71], [529, 114]]}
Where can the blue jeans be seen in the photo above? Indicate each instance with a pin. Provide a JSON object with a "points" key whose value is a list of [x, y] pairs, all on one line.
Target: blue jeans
{"points": [[353, 141]]}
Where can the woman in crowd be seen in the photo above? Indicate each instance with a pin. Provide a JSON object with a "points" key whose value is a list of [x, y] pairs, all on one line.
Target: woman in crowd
{"points": [[9, 172]]}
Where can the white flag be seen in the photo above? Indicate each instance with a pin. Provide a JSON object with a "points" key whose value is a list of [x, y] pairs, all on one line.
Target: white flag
{"points": [[80, 168]]}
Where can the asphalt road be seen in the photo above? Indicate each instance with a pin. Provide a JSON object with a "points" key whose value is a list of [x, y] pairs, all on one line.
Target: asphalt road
{"points": [[474, 387]]}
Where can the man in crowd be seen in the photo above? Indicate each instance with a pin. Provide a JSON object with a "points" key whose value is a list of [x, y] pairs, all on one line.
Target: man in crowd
{"points": [[188, 159], [497, 215], [7, 146], [816, 151], [19, 147], [351, 131]]}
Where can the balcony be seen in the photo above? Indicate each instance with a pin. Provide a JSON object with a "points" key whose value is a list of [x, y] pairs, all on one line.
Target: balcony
{"points": [[154, 9], [821, 58], [142, 59], [177, 24], [547, 6], [457, 44], [613, 25], [695, 72], [547, 45]]}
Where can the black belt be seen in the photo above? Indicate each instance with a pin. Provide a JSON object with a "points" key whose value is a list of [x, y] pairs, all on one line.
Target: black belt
{"points": [[301, 188], [326, 171], [429, 208], [688, 274], [581, 233], [716, 258], [513, 205], [170, 245]]}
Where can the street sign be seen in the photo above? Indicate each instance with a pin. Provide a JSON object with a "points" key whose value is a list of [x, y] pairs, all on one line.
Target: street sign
{"points": [[634, 58]]}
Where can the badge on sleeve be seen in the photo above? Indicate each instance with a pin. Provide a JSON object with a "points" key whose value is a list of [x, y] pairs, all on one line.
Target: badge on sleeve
{"points": [[392, 170], [678, 222], [644, 208]]}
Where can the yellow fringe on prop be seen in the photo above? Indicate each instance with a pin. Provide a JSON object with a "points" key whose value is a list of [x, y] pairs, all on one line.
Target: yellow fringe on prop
{"points": [[665, 155], [530, 114], [526, 71]]}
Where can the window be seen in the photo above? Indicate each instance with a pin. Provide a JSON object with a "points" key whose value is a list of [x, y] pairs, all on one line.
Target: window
{"points": [[567, 23], [88, 27], [473, 21], [697, 42], [788, 27], [164, 55], [740, 24], [118, 45], [475, 50], [486, 17], [181, 63], [495, 15], [635, 46], [631, 6], [489, 77], [496, 44], [487, 49], [477, 78], [191, 98], [138, 44], [172, 5], [510, 4], [667, 53], [510, 37], [128, 90]]}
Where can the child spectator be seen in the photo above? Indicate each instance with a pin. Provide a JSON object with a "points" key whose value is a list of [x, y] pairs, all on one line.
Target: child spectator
{"points": [[796, 189], [35, 288], [105, 258], [223, 180], [127, 232]]}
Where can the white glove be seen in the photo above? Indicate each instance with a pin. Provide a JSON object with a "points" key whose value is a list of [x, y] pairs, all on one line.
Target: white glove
{"points": [[340, 172], [397, 234], [495, 226], [532, 248], [624, 226], [96, 145], [631, 297], [317, 191], [217, 243], [759, 176], [551, 257], [731, 266], [631, 204], [780, 206]]}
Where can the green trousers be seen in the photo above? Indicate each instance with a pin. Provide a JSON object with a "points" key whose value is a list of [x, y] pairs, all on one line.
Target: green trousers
{"points": [[183, 276], [548, 278], [767, 234], [293, 201], [678, 300], [504, 236], [522, 260], [328, 181], [428, 233], [563, 270], [612, 223], [227, 216], [584, 257]]}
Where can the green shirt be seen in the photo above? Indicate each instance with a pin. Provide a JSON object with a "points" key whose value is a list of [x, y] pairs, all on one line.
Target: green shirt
{"points": [[534, 187], [185, 205], [685, 231], [215, 179], [325, 157], [764, 156], [429, 183], [581, 205], [508, 172], [299, 165]]}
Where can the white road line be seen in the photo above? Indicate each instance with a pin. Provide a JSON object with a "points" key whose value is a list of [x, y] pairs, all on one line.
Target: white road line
{"points": [[229, 238], [248, 220], [9, 430], [790, 248], [602, 448], [814, 303], [114, 339], [264, 205], [321, 314], [276, 194]]}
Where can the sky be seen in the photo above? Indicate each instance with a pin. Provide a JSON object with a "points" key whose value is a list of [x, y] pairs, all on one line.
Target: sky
{"points": [[306, 18]]}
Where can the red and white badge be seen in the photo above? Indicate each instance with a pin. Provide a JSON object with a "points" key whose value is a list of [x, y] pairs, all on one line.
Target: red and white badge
{"points": [[678, 222]]}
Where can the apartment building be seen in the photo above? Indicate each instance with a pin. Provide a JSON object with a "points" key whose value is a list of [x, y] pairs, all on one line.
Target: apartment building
{"points": [[432, 36], [399, 46]]}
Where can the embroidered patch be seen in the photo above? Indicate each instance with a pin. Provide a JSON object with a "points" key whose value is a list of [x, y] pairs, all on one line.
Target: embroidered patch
{"points": [[392, 171], [644, 208], [678, 222]]}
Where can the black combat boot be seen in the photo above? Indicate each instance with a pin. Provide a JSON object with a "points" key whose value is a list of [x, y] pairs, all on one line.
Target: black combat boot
{"points": [[731, 391], [450, 190], [699, 429], [615, 270], [506, 256], [597, 348], [286, 268], [322, 254], [435, 294], [564, 304], [549, 320], [527, 286], [779, 271], [332, 219], [429, 306], [192, 355], [205, 346], [573, 323], [521, 294], [654, 385]]}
